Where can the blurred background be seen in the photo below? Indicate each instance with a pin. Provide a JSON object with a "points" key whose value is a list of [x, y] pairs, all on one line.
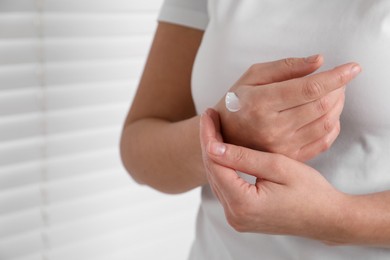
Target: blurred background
{"points": [[68, 73]]}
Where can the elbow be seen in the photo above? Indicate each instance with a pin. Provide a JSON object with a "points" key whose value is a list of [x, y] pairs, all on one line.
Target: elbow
{"points": [[131, 162], [170, 190], [126, 156]]}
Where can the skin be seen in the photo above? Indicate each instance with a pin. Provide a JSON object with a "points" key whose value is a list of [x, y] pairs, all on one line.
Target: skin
{"points": [[278, 203], [277, 110], [160, 141], [160, 144]]}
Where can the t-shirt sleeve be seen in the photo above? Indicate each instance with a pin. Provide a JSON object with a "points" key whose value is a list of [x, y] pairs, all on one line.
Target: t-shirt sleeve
{"points": [[190, 13]]}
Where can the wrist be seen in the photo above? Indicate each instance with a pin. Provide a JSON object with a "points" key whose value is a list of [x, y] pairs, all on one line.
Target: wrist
{"points": [[235, 125], [363, 220], [369, 219], [344, 230], [337, 226]]}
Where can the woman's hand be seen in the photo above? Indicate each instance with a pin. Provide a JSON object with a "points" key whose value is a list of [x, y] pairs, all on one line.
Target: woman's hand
{"points": [[284, 112], [288, 197]]}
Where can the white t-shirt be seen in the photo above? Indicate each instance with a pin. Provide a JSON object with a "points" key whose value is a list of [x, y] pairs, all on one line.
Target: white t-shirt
{"points": [[241, 33]]}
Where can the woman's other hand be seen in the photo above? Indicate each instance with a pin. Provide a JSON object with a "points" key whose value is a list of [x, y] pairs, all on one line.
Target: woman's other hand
{"points": [[284, 112], [288, 197]]}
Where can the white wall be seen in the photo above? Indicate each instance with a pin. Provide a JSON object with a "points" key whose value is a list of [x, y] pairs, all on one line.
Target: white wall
{"points": [[68, 72]]}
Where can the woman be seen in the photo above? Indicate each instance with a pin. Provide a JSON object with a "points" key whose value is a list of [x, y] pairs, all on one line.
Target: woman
{"points": [[288, 115]]}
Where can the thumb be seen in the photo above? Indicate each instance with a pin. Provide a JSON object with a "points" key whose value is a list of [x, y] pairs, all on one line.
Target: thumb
{"points": [[268, 166], [281, 70]]}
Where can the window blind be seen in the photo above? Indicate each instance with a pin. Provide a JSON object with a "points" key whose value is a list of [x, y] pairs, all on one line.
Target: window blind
{"points": [[68, 72]]}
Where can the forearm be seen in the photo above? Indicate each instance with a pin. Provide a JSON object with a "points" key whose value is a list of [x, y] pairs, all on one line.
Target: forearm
{"points": [[367, 220], [164, 155]]}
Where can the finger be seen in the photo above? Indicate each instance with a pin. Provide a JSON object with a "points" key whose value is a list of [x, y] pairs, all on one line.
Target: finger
{"points": [[210, 168], [216, 122], [296, 92], [207, 132], [207, 127], [228, 185], [311, 150], [224, 181], [299, 116], [214, 186], [272, 167], [322, 126], [281, 70]]}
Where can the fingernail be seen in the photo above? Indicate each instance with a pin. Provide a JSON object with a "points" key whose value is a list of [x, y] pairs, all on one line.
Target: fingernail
{"points": [[312, 59], [216, 148], [355, 70]]}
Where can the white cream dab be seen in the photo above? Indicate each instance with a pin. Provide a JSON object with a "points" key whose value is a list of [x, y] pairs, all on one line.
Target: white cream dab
{"points": [[232, 102]]}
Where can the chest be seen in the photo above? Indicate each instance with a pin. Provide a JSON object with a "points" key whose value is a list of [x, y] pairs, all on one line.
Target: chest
{"points": [[241, 33]]}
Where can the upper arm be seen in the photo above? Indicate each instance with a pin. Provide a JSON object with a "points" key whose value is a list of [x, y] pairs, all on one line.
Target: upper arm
{"points": [[164, 90]]}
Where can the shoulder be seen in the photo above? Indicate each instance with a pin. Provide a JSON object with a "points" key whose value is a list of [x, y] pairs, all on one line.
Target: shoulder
{"points": [[189, 13]]}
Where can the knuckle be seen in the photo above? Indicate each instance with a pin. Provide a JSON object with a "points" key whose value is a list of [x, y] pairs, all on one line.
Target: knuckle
{"points": [[303, 156], [338, 128], [289, 65], [327, 142], [289, 62], [341, 78], [271, 136], [296, 154], [239, 155], [331, 137], [276, 164], [322, 105], [312, 89], [268, 140], [327, 124]]}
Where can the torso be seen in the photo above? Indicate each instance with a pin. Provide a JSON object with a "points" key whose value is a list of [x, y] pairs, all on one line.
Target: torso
{"points": [[241, 33]]}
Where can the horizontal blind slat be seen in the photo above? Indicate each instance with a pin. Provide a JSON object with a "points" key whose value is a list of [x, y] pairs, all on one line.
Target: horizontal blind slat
{"points": [[89, 94], [96, 49], [34, 125], [30, 25], [102, 6], [21, 76], [20, 175], [18, 76], [19, 25], [83, 6], [20, 101], [92, 71], [23, 246], [28, 100], [29, 197], [20, 51], [75, 165], [92, 25], [17, 6], [58, 146]]}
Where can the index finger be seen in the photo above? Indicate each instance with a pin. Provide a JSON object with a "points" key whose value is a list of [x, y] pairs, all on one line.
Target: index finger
{"points": [[295, 92], [228, 184]]}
